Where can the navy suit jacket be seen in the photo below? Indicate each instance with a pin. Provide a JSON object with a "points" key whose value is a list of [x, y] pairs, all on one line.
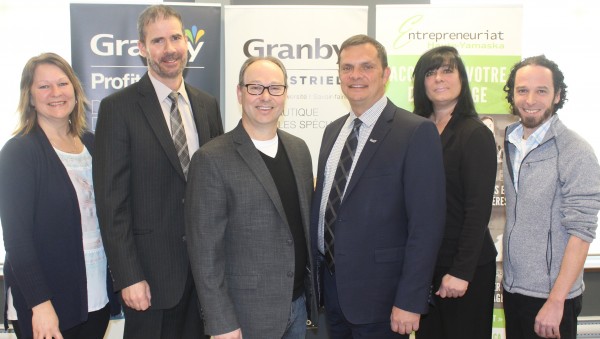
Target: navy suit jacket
{"points": [[391, 221]]}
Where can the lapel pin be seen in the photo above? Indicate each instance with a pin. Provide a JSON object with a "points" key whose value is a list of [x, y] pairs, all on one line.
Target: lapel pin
{"points": [[372, 140]]}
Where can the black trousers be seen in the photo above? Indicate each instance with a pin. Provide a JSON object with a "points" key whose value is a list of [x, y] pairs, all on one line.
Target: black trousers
{"points": [[520, 312], [468, 317], [183, 321], [93, 328]]}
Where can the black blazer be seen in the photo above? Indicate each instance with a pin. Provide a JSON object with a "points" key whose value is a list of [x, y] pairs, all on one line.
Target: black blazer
{"points": [[390, 224], [140, 188], [41, 223], [470, 165]]}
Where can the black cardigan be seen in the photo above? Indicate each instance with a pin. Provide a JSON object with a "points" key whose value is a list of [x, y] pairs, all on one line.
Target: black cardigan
{"points": [[41, 223], [470, 165]]}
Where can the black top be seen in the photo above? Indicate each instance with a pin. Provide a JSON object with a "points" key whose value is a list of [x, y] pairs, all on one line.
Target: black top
{"points": [[469, 153], [283, 176]]}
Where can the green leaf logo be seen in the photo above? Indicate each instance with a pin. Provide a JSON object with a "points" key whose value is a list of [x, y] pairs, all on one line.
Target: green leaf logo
{"points": [[194, 34]]}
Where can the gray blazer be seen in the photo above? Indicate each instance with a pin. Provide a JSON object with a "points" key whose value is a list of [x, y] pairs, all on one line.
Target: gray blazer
{"points": [[239, 242]]}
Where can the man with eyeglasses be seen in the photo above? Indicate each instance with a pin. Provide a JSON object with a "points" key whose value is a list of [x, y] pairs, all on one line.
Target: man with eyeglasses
{"points": [[247, 212]]}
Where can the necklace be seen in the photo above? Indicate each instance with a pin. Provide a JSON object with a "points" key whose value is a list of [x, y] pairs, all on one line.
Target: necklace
{"points": [[67, 145]]}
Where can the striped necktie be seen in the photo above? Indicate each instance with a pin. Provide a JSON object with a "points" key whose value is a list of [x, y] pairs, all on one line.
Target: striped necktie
{"points": [[178, 134], [337, 192]]}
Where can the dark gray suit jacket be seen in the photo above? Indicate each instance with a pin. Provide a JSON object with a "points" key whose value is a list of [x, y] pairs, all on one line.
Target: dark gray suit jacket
{"points": [[140, 188], [239, 241]]}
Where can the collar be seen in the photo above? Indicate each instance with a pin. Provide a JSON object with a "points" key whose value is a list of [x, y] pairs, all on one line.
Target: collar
{"points": [[162, 91], [370, 116], [536, 137]]}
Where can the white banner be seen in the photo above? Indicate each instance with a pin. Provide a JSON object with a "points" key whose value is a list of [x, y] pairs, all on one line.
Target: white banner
{"points": [[307, 40]]}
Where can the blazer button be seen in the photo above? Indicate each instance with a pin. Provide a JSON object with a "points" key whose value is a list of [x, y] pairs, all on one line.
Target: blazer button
{"points": [[183, 238], [290, 242], [183, 200], [290, 274]]}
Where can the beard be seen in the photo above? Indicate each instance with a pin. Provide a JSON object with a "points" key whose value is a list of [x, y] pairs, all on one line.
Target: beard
{"points": [[163, 73], [534, 122]]}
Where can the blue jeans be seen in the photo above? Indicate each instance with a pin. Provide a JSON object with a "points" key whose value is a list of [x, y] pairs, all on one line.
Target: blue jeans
{"points": [[296, 326]]}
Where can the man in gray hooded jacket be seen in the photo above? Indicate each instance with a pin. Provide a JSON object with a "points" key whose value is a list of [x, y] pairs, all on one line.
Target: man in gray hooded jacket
{"points": [[552, 183]]}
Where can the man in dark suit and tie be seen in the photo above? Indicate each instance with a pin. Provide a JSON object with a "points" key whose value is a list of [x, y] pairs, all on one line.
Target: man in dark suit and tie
{"points": [[145, 136], [247, 218], [378, 213]]}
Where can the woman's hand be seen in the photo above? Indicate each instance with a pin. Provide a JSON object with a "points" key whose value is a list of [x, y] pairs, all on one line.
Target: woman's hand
{"points": [[44, 322], [452, 287]]}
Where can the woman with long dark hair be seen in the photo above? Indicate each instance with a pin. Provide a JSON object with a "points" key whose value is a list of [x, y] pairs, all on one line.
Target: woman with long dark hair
{"points": [[463, 283]]}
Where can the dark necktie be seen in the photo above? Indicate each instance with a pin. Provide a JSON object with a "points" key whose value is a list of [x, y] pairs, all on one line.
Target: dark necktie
{"points": [[337, 192], [178, 134]]}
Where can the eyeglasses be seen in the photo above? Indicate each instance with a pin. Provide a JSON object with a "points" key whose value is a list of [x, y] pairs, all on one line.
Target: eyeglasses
{"points": [[258, 89]]}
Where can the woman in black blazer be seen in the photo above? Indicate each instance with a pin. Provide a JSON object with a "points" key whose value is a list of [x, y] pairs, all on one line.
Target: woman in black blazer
{"points": [[56, 277], [463, 282]]}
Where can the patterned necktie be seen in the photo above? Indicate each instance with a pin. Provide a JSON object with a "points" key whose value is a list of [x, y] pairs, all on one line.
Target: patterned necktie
{"points": [[178, 134], [337, 192]]}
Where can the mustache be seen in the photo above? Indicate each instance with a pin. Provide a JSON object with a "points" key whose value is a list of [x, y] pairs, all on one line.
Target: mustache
{"points": [[171, 57]]}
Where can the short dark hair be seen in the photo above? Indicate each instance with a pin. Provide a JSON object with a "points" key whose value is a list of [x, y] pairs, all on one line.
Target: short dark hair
{"points": [[362, 39], [558, 80], [432, 60], [254, 59], [153, 13]]}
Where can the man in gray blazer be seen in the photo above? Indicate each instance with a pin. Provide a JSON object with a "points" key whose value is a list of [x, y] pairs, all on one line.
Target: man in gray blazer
{"points": [[247, 218], [139, 179]]}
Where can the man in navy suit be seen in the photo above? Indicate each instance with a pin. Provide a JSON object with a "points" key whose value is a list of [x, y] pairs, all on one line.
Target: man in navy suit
{"points": [[140, 171], [384, 238]]}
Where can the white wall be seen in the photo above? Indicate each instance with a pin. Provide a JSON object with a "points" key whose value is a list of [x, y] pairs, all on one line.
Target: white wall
{"points": [[566, 31]]}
